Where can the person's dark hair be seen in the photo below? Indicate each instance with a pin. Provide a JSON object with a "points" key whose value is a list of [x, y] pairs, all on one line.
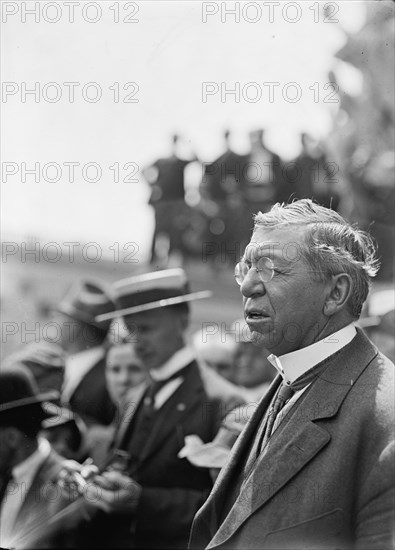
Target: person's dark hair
{"points": [[333, 245]]}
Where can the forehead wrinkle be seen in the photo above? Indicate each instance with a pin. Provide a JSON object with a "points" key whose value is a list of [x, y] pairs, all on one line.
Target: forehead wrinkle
{"points": [[260, 249]]}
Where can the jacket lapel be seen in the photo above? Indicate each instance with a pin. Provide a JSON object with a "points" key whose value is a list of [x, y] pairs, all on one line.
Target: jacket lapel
{"points": [[184, 400], [271, 474], [210, 512], [298, 440], [128, 415]]}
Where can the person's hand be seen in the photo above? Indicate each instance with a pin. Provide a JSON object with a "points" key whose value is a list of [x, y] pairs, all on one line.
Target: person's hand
{"points": [[113, 492]]}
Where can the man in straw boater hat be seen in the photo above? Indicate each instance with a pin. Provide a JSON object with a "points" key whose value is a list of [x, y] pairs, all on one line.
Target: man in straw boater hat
{"points": [[82, 337], [153, 506], [28, 465]]}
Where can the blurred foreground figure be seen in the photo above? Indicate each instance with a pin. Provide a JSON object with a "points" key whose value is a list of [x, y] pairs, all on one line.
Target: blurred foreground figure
{"points": [[153, 505], [82, 337], [314, 466], [29, 497]]}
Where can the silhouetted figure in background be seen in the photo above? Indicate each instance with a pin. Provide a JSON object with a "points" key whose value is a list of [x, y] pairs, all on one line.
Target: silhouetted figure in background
{"points": [[222, 203], [166, 178], [312, 176], [372, 185], [263, 175]]}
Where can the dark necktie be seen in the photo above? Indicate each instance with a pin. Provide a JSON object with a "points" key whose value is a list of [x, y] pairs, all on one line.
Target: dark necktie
{"points": [[142, 422], [156, 385], [284, 394]]}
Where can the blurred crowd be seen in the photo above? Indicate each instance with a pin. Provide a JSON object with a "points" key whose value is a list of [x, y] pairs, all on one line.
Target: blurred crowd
{"points": [[73, 405], [231, 189]]}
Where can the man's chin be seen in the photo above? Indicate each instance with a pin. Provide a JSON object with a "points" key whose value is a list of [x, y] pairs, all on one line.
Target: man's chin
{"points": [[260, 338], [269, 340]]}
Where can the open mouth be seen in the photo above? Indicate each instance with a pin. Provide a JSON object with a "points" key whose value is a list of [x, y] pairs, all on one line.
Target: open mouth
{"points": [[255, 315]]}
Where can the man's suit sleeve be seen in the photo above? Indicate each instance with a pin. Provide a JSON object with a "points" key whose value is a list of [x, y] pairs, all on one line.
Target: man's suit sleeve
{"points": [[375, 526], [172, 510]]}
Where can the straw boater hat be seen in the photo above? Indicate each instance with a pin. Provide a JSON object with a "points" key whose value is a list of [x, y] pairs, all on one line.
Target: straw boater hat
{"points": [[85, 301], [151, 291]]}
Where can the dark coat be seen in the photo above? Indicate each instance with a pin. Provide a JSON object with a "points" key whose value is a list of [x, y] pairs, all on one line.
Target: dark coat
{"points": [[91, 399], [327, 478], [173, 489]]}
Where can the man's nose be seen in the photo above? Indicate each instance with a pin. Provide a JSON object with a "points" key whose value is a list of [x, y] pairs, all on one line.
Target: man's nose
{"points": [[252, 284]]}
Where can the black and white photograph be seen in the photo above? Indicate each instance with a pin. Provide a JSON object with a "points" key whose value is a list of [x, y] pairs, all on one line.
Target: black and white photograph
{"points": [[197, 275]]}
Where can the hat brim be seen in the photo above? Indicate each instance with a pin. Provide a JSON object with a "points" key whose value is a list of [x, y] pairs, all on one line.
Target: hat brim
{"points": [[26, 401], [62, 418], [154, 305], [78, 315]]}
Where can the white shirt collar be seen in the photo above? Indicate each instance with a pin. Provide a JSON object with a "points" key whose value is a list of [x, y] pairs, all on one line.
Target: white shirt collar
{"points": [[292, 365], [26, 470], [180, 359]]}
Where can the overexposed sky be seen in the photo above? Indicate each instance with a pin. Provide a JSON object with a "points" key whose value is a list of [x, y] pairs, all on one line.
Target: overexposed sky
{"points": [[169, 52]]}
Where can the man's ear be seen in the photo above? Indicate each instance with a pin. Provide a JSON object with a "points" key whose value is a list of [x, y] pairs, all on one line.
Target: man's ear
{"points": [[339, 293]]}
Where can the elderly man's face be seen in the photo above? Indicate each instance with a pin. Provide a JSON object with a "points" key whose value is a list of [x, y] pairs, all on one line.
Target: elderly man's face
{"points": [[287, 311], [156, 335]]}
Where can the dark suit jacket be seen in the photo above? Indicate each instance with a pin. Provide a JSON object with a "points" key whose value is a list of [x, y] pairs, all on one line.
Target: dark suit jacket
{"points": [[173, 489], [327, 478]]}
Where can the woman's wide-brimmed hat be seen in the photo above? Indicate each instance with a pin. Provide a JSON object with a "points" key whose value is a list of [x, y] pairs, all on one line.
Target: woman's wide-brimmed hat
{"points": [[19, 391]]}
